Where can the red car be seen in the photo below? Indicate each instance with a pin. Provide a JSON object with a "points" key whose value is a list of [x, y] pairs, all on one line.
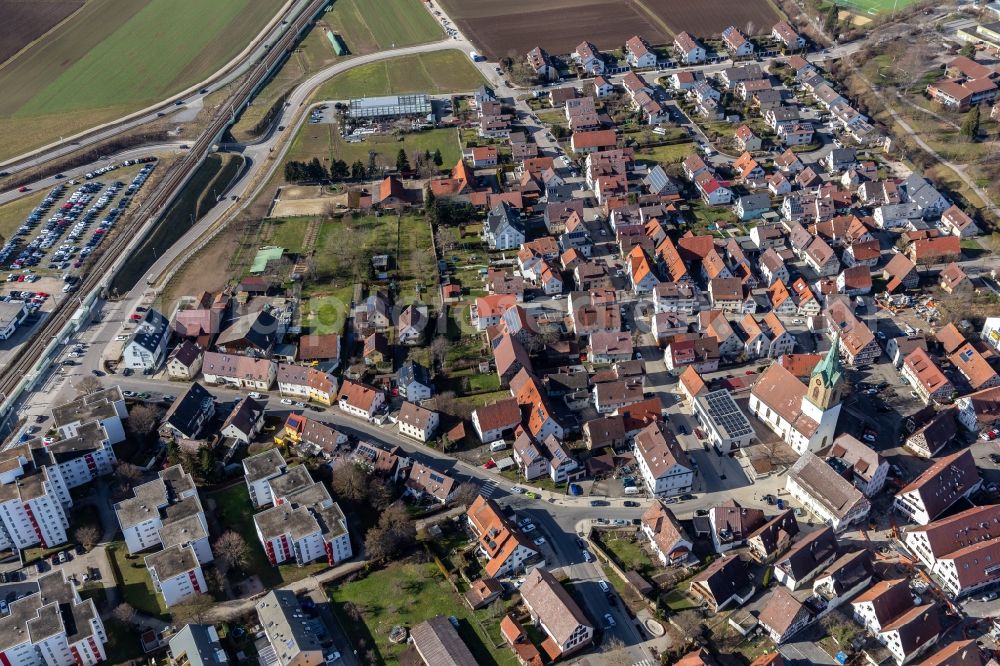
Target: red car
{"points": [[136, 317], [23, 188], [489, 464]]}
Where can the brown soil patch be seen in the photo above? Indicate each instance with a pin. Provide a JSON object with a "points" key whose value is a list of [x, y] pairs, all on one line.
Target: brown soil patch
{"points": [[208, 271], [27, 20]]}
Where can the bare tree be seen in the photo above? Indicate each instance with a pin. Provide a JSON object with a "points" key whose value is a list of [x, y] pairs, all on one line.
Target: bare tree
{"points": [[194, 611], [87, 385], [124, 613], [613, 653], [350, 482], [87, 535], [127, 474], [466, 493], [689, 622], [380, 494], [439, 349], [231, 550], [142, 419]]}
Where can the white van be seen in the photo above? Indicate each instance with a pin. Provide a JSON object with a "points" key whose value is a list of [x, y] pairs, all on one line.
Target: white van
{"points": [[498, 445], [631, 490]]}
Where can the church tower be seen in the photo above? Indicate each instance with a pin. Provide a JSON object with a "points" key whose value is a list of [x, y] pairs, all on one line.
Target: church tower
{"points": [[821, 402]]}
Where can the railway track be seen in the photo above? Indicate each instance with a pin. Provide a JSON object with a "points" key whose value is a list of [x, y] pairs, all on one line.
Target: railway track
{"points": [[102, 269]]}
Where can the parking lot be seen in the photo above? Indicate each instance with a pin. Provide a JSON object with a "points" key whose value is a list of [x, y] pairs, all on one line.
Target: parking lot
{"points": [[72, 221]]}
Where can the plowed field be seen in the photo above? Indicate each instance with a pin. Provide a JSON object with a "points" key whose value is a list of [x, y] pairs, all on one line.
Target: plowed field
{"points": [[558, 26], [26, 20], [708, 18]]}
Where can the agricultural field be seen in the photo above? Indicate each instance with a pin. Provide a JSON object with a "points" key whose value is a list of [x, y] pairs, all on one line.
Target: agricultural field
{"points": [[559, 26], [27, 20], [116, 56], [707, 18], [396, 23], [435, 73]]}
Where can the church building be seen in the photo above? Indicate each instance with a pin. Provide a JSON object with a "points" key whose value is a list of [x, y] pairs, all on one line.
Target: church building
{"points": [[803, 414]]}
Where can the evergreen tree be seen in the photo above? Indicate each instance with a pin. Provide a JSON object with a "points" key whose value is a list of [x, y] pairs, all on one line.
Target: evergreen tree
{"points": [[339, 170], [173, 453], [206, 466], [316, 170], [402, 162], [970, 126], [832, 20], [358, 171], [438, 160]]}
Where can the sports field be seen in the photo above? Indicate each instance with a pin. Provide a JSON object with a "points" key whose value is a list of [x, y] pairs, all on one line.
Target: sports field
{"points": [[117, 56], [396, 23], [322, 140], [437, 72], [873, 7]]}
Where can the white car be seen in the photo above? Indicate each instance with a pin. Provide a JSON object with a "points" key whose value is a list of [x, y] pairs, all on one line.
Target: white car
{"points": [[255, 395], [539, 541], [609, 620], [517, 489], [587, 557], [300, 404], [603, 584], [286, 401], [528, 529]]}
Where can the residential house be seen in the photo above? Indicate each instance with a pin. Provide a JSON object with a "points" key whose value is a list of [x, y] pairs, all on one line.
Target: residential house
{"points": [[947, 481], [925, 377], [662, 461], [830, 497], [773, 538], [240, 372], [639, 54], [146, 347], [688, 49], [806, 558], [725, 582], [359, 400], [857, 463], [667, 538], [414, 381], [565, 625], [736, 42], [503, 229], [959, 551], [427, 483], [306, 383], [417, 422], [783, 615], [496, 419], [505, 547], [185, 361]]}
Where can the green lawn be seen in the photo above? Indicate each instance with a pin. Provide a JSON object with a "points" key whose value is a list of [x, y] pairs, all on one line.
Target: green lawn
{"points": [[438, 72], [290, 233], [396, 23], [233, 510], [629, 553], [665, 154], [116, 56], [407, 594], [13, 214], [136, 585]]}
